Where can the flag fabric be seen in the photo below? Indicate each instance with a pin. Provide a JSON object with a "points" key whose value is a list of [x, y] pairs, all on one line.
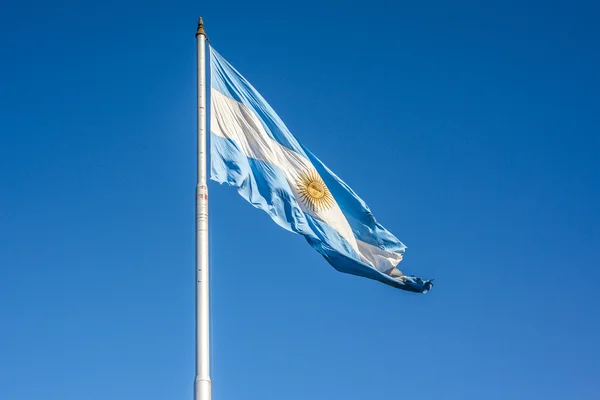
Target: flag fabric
{"points": [[252, 150]]}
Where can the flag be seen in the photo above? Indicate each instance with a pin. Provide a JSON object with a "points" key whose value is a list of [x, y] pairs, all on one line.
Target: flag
{"points": [[252, 150]]}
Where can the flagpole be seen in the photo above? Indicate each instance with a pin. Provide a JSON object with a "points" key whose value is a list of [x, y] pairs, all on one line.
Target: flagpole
{"points": [[202, 384]]}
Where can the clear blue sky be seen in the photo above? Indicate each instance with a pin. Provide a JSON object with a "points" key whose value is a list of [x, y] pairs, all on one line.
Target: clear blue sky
{"points": [[471, 130]]}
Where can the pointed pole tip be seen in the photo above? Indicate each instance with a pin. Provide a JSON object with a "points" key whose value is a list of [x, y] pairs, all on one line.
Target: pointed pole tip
{"points": [[200, 30]]}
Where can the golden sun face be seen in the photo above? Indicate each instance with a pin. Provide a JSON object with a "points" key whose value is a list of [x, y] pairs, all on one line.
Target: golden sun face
{"points": [[313, 191]]}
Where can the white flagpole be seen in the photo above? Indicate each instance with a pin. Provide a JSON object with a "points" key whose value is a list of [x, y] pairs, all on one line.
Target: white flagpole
{"points": [[202, 384]]}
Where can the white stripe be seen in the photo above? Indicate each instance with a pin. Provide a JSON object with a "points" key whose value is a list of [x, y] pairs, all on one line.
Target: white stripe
{"points": [[382, 260], [232, 120]]}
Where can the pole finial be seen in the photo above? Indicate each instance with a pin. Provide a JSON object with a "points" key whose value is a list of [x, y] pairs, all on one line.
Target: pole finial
{"points": [[200, 30]]}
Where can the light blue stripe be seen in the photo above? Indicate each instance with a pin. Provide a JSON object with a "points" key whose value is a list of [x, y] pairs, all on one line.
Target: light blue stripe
{"points": [[264, 186], [348, 263], [229, 82], [341, 256], [362, 221], [261, 184]]}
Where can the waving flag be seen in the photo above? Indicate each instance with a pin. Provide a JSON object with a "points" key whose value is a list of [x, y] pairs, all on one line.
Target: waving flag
{"points": [[253, 150]]}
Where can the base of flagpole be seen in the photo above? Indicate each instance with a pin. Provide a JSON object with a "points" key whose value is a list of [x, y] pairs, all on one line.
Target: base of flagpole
{"points": [[202, 389]]}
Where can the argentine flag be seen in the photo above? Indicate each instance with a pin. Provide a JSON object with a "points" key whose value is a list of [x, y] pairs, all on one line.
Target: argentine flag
{"points": [[253, 150]]}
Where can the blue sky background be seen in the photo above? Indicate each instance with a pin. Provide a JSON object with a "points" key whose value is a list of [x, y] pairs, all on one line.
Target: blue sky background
{"points": [[470, 129]]}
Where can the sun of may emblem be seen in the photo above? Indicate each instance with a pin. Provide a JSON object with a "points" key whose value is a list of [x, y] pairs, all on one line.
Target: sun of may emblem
{"points": [[313, 191]]}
